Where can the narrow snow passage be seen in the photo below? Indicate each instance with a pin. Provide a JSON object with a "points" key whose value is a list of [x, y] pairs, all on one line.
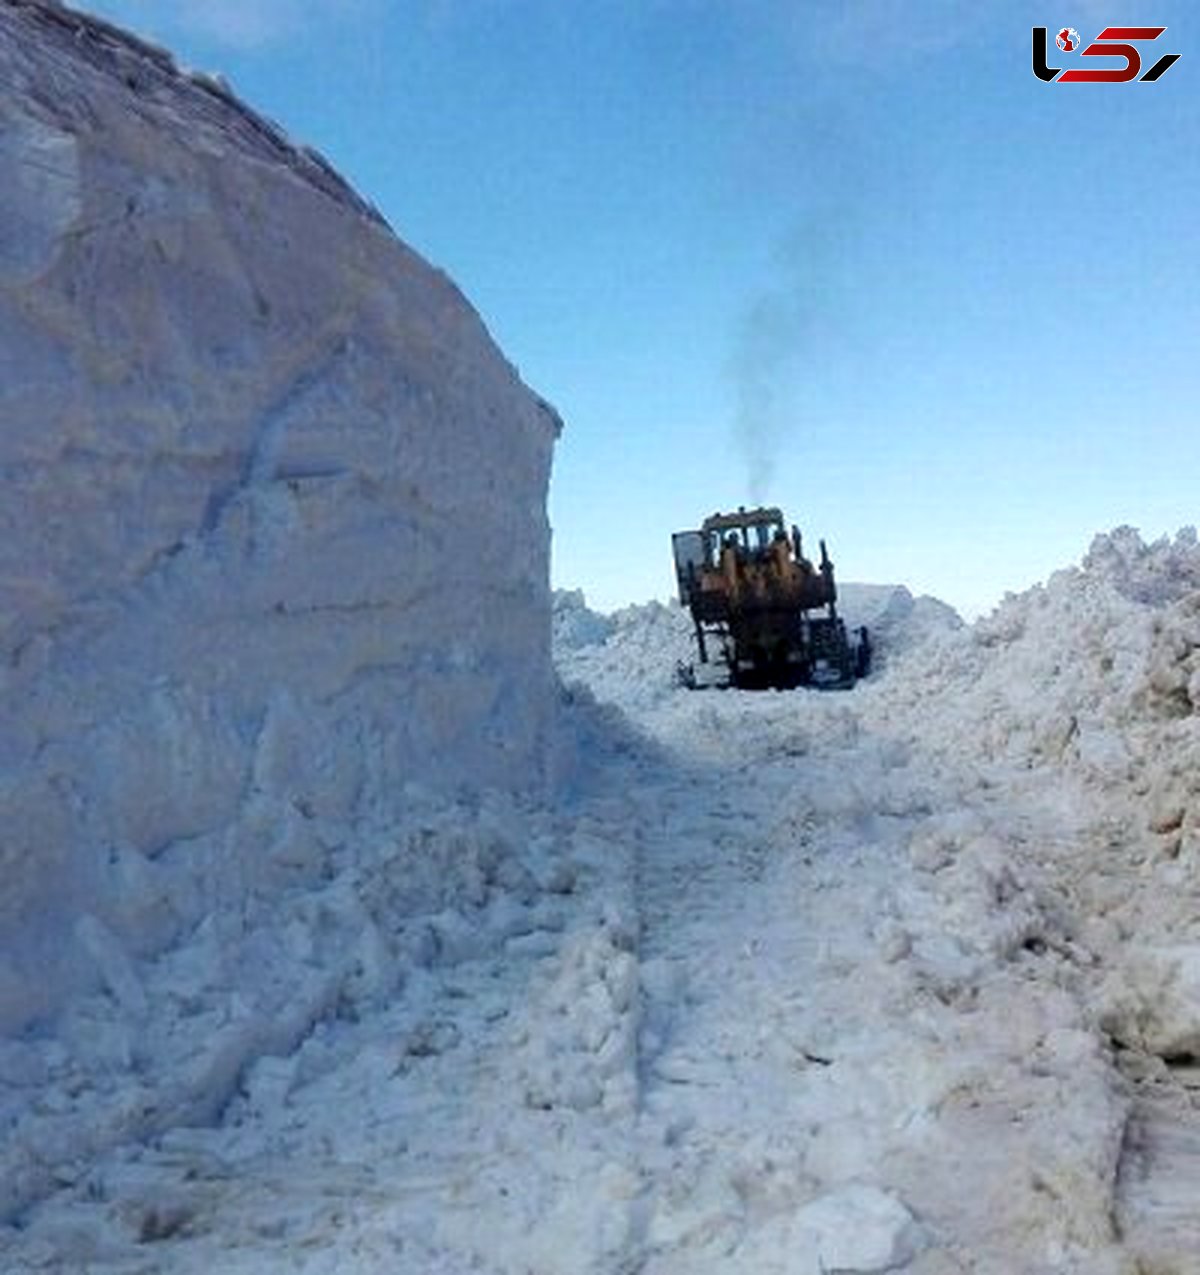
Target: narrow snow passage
{"points": [[862, 1047], [905, 978], [755, 943], [778, 990]]}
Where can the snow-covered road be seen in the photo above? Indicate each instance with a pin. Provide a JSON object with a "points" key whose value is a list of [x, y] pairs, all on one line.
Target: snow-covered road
{"points": [[790, 983], [749, 1038], [860, 1047]]}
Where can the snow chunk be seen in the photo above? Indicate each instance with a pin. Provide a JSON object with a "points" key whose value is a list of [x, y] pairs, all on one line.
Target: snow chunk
{"points": [[860, 1229], [1154, 1002]]}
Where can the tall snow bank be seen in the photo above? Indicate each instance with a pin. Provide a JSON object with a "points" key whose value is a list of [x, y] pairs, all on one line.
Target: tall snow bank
{"points": [[273, 536]]}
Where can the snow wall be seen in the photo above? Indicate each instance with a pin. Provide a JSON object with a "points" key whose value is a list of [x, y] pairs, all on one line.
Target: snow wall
{"points": [[274, 540]]}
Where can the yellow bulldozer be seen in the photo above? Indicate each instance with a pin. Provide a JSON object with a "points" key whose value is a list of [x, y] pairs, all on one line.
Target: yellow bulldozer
{"points": [[770, 614]]}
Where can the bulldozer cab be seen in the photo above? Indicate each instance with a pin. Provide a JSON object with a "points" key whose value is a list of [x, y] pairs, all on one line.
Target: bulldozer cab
{"points": [[751, 532], [755, 529]]}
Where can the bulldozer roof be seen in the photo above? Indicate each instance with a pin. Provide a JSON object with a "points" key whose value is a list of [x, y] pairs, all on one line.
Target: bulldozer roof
{"points": [[762, 516]]}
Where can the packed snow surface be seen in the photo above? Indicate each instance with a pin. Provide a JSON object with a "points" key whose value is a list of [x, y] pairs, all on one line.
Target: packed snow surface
{"points": [[273, 543], [905, 978]]}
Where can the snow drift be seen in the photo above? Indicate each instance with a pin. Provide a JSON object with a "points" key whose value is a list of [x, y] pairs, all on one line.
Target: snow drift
{"points": [[1095, 677], [274, 540]]}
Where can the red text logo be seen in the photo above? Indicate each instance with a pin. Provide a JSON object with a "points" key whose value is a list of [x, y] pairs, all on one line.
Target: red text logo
{"points": [[1113, 42]]}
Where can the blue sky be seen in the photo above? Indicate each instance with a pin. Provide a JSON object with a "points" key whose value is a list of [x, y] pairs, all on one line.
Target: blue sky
{"points": [[851, 258]]}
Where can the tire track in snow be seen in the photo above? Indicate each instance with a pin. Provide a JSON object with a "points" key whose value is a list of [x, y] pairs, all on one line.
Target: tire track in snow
{"points": [[756, 902], [1160, 1178], [863, 1020]]}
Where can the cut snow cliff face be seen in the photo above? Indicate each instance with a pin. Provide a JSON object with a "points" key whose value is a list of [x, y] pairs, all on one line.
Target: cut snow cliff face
{"points": [[273, 535]]}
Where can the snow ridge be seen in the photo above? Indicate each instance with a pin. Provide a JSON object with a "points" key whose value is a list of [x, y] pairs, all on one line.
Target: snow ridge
{"points": [[152, 73]]}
